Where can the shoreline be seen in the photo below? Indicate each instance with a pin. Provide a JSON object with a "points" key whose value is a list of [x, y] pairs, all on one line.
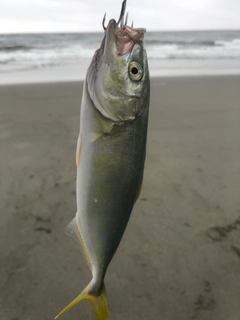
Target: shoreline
{"points": [[160, 68], [153, 78]]}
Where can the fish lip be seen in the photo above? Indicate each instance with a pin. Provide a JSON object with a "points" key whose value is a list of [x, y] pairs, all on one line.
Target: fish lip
{"points": [[120, 40]]}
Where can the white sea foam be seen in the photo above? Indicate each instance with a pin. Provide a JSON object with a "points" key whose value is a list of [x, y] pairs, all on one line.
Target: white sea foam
{"points": [[19, 53]]}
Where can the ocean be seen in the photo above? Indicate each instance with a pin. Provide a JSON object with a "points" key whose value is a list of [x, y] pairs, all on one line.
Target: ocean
{"points": [[66, 56]]}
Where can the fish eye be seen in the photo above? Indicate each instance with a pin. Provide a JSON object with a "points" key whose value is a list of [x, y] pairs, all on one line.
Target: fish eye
{"points": [[135, 71]]}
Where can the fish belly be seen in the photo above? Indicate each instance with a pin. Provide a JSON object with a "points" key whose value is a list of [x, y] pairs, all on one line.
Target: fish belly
{"points": [[108, 180]]}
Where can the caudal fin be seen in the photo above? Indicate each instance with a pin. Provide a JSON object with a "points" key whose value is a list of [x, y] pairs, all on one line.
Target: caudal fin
{"points": [[99, 303]]}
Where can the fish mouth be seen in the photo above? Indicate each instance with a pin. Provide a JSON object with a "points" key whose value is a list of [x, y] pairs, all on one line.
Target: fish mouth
{"points": [[119, 37], [126, 37]]}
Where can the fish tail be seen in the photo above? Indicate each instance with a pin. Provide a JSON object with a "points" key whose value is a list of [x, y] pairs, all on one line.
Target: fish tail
{"points": [[98, 302]]}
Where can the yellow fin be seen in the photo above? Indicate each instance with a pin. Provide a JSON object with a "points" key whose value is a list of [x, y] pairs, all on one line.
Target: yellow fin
{"points": [[74, 231], [99, 303]]}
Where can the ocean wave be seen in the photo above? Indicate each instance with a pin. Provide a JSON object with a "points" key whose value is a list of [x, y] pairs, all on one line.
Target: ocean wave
{"points": [[235, 43], [189, 49], [47, 50], [6, 60], [181, 43], [176, 52], [11, 48]]}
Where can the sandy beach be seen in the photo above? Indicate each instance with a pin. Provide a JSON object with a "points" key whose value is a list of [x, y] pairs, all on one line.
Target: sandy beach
{"points": [[180, 256]]}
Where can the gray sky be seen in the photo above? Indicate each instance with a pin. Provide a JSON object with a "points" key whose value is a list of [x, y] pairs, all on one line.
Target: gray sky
{"points": [[78, 15]]}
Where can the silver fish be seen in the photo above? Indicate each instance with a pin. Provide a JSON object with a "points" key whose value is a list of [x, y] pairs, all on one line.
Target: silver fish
{"points": [[111, 151]]}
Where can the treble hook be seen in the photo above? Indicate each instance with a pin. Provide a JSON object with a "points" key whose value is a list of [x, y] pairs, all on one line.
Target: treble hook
{"points": [[122, 13], [103, 22], [121, 17]]}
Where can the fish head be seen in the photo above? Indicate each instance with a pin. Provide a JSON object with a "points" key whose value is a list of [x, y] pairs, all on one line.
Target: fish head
{"points": [[118, 77]]}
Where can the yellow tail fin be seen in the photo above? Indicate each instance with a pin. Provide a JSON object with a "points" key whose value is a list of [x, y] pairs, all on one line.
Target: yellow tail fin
{"points": [[99, 303]]}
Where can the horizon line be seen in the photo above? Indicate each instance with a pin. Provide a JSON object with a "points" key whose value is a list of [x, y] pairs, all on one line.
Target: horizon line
{"points": [[97, 31]]}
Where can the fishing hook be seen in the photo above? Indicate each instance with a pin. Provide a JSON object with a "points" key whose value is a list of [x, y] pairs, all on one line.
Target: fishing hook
{"points": [[103, 22], [126, 19], [122, 13]]}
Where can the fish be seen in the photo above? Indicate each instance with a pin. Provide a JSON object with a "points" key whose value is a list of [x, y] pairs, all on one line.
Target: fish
{"points": [[111, 151]]}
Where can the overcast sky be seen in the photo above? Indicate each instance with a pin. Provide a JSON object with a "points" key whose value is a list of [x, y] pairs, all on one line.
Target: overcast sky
{"points": [[78, 15]]}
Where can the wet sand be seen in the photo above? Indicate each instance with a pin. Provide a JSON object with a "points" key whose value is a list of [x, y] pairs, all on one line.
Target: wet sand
{"points": [[180, 256]]}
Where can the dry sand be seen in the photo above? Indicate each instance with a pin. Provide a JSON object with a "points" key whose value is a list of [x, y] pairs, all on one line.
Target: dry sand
{"points": [[180, 256]]}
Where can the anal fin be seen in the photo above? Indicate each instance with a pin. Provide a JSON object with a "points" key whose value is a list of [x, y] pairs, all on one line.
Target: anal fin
{"points": [[74, 231]]}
